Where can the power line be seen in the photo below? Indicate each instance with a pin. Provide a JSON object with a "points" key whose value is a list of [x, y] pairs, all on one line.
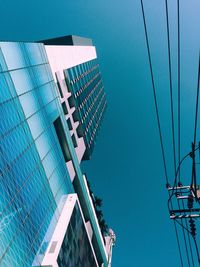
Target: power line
{"points": [[197, 102], [179, 90], [189, 241], [158, 118], [193, 145], [197, 250], [179, 118], [154, 93], [172, 114], [178, 242], [170, 83], [195, 128]]}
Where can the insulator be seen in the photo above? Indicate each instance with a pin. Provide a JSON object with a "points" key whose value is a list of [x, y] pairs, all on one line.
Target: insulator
{"points": [[193, 232], [180, 184], [171, 213], [191, 221], [167, 185], [192, 227], [190, 202]]}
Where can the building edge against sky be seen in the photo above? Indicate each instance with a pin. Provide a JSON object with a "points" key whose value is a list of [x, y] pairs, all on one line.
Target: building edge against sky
{"points": [[51, 103]]}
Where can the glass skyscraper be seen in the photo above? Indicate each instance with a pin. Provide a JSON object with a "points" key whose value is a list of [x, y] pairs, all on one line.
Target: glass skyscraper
{"points": [[85, 84], [40, 154]]}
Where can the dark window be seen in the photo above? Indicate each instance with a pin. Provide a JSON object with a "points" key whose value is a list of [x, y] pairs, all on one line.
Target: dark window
{"points": [[60, 90], [69, 124], [80, 131], [64, 108], [76, 116], [74, 141], [72, 102], [58, 84]]}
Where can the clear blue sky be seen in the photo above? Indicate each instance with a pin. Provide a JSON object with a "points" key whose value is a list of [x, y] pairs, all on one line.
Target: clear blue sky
{"points": [[126, 170]]}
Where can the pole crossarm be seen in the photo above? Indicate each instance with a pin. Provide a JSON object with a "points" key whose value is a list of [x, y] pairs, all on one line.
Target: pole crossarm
{"points": [[184, 211], [184, 216]]}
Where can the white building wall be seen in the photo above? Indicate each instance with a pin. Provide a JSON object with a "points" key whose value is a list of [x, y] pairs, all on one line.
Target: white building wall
{"points": [[65, 57]]}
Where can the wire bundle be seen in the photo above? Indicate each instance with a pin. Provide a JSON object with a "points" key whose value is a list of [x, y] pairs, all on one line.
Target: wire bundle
{"points": [[186, 232]]}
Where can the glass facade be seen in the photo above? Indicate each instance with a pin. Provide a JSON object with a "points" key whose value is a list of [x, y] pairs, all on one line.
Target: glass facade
{"points": [[33, 173], [76, 249], [88, 94]]}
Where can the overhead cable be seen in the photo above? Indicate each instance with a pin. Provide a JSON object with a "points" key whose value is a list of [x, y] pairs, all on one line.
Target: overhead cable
{"points": [[158, 118]]}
